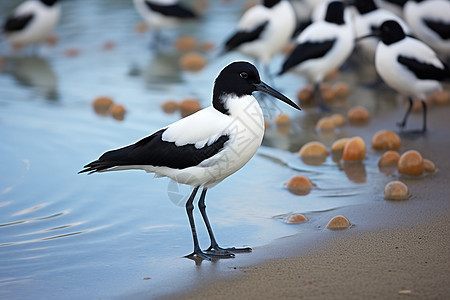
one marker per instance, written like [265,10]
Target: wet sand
[394,250]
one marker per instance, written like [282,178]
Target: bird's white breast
[244,126]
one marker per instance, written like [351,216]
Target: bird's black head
[335,13]
[49,2]
[241,78]
[270,3]
[390,32]
[364,6]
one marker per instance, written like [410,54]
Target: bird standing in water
[322,47]
[160,14]
[409,66]
[263,31]
[203,149]
[31,22]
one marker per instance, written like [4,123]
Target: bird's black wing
[242,37]
[400,3]
[174,10]
[17,23]
[423,70]
[441,28]
[153,151]
[305,51]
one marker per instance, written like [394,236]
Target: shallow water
[64,235]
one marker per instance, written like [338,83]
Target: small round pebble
[186,43]
[386,140]
[296,218]
[299,185]
[188,107]
[305,94]
[354,150]
[441,97]
[358,114]
[338,223]
[72,52]
[192,62]
[141,27]
[282,119]
[327,92]
[313,149]
[170,107]
[411,163]
[52,40]
[396,190]
[117,111]
[339,145]
[389,158]
[108,46]
[337,119]
[325,124]
[428,166]
[102,104]
[341,89]
[207,46]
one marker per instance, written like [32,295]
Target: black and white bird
[203,149]
[160,14]
[368,18]
[430,21]
[31,22]
[263,31]
[395,6]
[409,66]
[321,47]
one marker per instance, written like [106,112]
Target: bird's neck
[49,2]
[219,102]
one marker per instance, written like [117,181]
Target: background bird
[409,66]
[395,6]
[430,21]
[160,14]
[321,47]
[31,22]
[203,149]
[263,31]
[368,18]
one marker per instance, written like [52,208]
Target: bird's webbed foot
[218,249]
[209,255]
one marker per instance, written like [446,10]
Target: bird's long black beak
[265,88]
[375,32]
[365,37]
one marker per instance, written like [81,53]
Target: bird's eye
[243,75]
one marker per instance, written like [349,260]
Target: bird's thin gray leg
[215,248]
[424,126]
[189,210]
[198,253]
[405,118]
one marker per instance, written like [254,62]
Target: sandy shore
[395,250]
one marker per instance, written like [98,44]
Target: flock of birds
[408,46]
